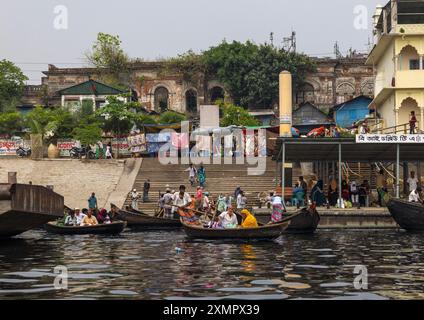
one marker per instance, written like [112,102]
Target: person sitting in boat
[415,196]
[216,223]
[249,221]
[221,204]
[103,217]
[80,215]
[89,220]
[70,219]
[229,219]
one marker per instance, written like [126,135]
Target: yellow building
[397,58]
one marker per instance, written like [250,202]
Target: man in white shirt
[241,201]
[192,171]
[412,182]
[181,199]
[415,196]
[228,219]
[80,215]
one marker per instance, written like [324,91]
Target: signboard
[390,138]
[285,119]
[9,147]
[65,146]
[122,145]
[137,143]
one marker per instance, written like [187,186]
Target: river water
[167,265]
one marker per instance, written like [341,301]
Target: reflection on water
[166,265]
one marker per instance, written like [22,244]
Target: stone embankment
[111,180]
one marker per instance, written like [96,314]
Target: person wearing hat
[249,221]
[134,198]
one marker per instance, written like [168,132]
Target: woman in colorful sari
[317,194]
[278,209]
[201,176]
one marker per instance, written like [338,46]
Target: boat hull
[114,228]
[146,222]
[269,232]
[409,216]
[304,223]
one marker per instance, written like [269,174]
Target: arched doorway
[306,93]
[191,101]
[409,59]
[407,106]
[217,93]
[161,99]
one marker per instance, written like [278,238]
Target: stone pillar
[285,104]
[94,103]
[396,117]
[63,101]
[421,62]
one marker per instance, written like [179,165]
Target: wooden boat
[113,228]
[306,221]
[25,207]
[137,219]
[409,216]
[263,232]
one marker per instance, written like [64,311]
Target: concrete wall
[76,180]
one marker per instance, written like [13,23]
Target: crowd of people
[90,216]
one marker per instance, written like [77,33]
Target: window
[414,64]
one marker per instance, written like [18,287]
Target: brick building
[335,81]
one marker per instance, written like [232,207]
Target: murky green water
[150,266]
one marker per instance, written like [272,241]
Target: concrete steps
[219,179]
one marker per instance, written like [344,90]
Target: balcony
[413,79]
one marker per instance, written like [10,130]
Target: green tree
[10,123]
[88,134]
[117,115]
[250,72]
[170,117]
[52,124]
[110,60]
[233,115]
[143,119]
[12,83]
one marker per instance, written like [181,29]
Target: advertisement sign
[122,145]
[9,147]
[65,146]
[390,138]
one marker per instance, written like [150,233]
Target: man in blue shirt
[92,202]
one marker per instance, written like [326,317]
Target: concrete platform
[366,218]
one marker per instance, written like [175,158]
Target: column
[397,171]
[94,103]
[421,118]
[286,104]
[283,173]
[397,66]
[396,116]
[421,62]
[340,175]
[63,101]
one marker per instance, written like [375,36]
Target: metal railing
[399,129]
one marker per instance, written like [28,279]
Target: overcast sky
[163,28]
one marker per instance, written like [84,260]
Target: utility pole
[337,50]
[289,43]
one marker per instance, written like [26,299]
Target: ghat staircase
[219,179]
